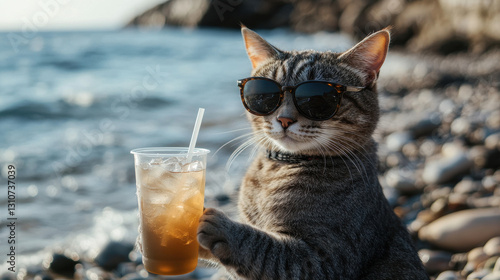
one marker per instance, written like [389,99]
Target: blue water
[73,104]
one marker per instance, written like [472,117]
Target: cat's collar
[289,158]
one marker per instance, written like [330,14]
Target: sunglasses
[315,100]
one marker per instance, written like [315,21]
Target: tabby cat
[311,205]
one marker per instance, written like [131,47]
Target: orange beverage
[170,195]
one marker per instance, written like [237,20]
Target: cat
[311,206]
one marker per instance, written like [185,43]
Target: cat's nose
[285,122]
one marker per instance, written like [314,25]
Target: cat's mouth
[291,142]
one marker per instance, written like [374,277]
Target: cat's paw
[214,232]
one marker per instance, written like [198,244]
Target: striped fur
[322,219]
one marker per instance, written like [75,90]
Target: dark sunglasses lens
[317,101]
[261,96]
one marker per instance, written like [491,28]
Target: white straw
[194,137]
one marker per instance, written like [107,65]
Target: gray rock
[61,264]
[402,181]
[478,275]
[446,169]
[113,254]
[496,268]
[96,273]
[461,126]
[428,148]
[396,140]
[463,230]
[492,247]
[490,263]
[492,142]
[476,256]
[425,126]
[448,275]
[436,26]
[467,186]
[435,261]
[492,276]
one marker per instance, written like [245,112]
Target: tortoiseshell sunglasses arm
[353,89]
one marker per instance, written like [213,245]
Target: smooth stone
[8,276]
[492,142]
[460,126]
[475,257]
[425,126]
[481,202]
[132,276]
[467,186]
[426,216]
[439,205]
[43,276]
[457,201]
[113,254]
[450,149]
[401,181]
[479,154]
[497,265]
[492,276]
[446,169]
[428,148]
[490,263]
[61,264]
[478,275]
[126,268]
[458,261]
[410,150]
[435,261]
[394,159]
[448,275]
[489,183]
[494,120]
[396,140]
[223,199]
[96,273]
[441,192]
[463,230]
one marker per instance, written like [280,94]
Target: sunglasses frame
[341,89]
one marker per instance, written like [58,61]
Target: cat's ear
[258,49]
[368,55]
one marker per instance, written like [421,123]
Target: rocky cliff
[441,26]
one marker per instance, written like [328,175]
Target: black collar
[289,158]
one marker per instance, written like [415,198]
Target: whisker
[233,140]
[255,138]
[333,146]
[355,160]
[233,130]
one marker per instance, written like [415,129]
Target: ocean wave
[81,106]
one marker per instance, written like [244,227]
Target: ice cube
[159,196]
[172,160]
[183,224]
[172,164]
[191,196]
[141,173]
[155,161]
[152,176]
[173,167]
[193,166]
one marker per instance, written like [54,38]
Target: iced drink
[170,192]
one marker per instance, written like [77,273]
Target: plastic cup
[170,193]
